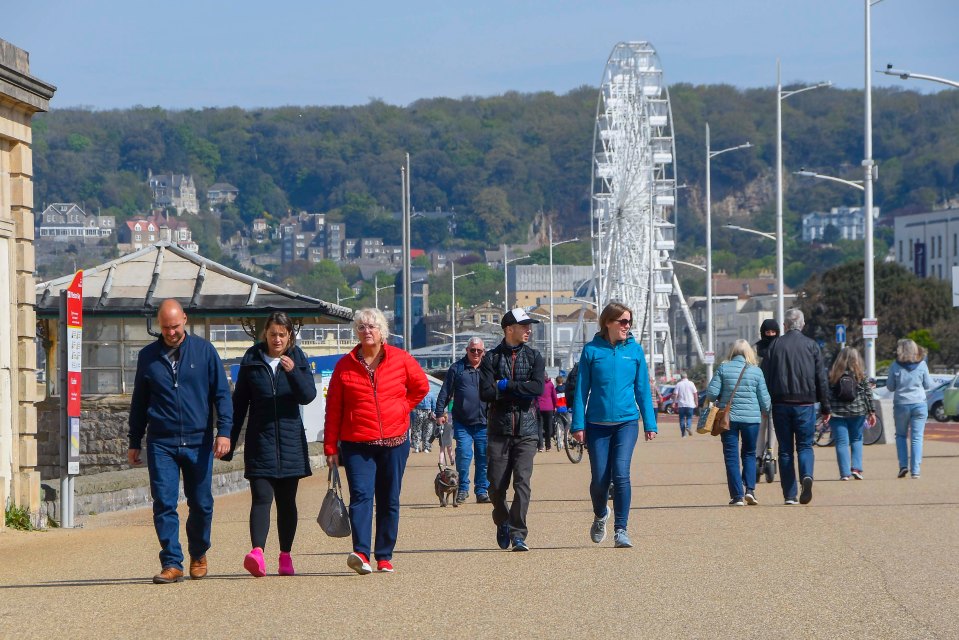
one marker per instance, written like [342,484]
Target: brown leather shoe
[168,575]
[198,567]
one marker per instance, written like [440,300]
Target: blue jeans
[740,471]
[471,438]
[165,463]
[610,453]
[910,418]
[848,432]
[374,471]
[685,420]
[795,426]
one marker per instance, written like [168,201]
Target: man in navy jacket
[179,382]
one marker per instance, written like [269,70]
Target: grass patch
[17,517]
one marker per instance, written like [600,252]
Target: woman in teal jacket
[745,414]
[612,391]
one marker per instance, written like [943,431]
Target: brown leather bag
[721,423]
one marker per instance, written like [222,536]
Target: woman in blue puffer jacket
[612,390]
[749,404]
[909,379]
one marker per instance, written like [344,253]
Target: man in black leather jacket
[796,378]
[511,378]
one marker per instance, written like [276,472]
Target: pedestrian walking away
[739,384]
[546,403]
[371,394]
[686,398]
[422,423]
[511,379]
[562,416]
[612,392]
[850,397]
[273,382]
[909,380]
[796,379]
[768,332]
[461,387]
[179,381]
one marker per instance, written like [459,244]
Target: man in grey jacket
[796,378]
[511,378]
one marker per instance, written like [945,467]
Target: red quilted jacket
[356,412]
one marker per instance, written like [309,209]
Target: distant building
[221,193]
[848,221]
[67,222]
[530,283]
[762,284]
[928,243]
[137,233]
[260,230]
[177,232]
[174,190]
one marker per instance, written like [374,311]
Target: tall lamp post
[552,354]
[376,290]
[710,154]
[780,96]
[905,75]
[453,278]
[338,301]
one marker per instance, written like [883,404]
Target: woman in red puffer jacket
[368,404]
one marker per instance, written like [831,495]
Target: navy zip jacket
[462,386]
[275,441]
[178,409]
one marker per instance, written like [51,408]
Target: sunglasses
[477,351]
[624,322]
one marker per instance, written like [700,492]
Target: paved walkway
[870,559]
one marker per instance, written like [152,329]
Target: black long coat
[275,438]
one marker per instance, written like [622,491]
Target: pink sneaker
[253,562]
[286,565]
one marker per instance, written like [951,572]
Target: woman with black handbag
[273,382]
[738,386]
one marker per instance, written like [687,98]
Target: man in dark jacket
[461,385]
[796,378]
[511,378]
[179,381]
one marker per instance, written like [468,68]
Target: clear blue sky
[199,53]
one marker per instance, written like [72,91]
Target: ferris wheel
[633,197]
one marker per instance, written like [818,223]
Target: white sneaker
[737,502]
[597,531]
[751,499]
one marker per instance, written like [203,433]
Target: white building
[928,243]
[849,221]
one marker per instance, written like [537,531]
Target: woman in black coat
[274,380]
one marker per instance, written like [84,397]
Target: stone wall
[103,435]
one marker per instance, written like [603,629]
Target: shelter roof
[134,285]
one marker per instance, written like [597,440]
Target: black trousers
[265,491]
[546,431]
[510,459]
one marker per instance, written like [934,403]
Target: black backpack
[845,388]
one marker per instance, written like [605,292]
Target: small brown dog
[445,484]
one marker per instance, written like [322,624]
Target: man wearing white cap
[511,379]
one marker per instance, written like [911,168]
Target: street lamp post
[856,184]
[780,96]
[709,249]
[377,288]
[552,354]
[765,234]
[453,278]
[905,75]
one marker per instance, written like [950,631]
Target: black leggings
[545,429]
[264,491]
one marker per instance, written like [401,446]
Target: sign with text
[709,357]
[74,350]
[870,328]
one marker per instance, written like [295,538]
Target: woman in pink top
[546,404]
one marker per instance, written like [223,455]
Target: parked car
[943,401]
[666,399]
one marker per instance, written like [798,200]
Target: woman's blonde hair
[908,351]
[847,360]
[744,349]
[372,315]
[611,312]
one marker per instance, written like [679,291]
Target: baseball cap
[517,316]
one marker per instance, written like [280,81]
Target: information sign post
[69,356]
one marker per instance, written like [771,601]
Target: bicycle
[574,450]
[826,438]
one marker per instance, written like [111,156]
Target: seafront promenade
[870,559]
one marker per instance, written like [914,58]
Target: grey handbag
[333,518]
